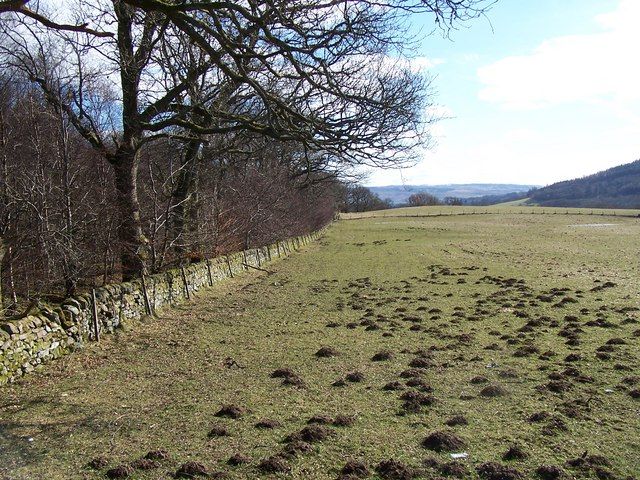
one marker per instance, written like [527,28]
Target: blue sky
[538,92]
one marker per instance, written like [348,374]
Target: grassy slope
[160,384]
[499,209]
[514,203]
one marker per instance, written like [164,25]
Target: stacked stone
[29,342]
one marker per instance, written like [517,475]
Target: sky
[536,92]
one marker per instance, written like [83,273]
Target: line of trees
[357,198]
[137,134]
[617,187]
[425,199]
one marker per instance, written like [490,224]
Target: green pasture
[444,334]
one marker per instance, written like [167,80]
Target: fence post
[96,327]
[209,273]
[186,284]
[145,293]
[229,265]
[170,287]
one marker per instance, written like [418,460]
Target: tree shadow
[19,437]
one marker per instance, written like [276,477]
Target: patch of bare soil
[442,441]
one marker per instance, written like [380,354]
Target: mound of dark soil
[632,380]
[231,411]
[557,386]
[431,462]
[157,455]
[98,463]
[297,447]
[497,471]
[145,464]
[121,471]
[341,382]
[454,469]
[420,384]
[382,356]
[635,393]
[191,470]
[589,461]
[508,373]
[394,470]
[311,434]
[554,425]
[294,381]
[411,372]
[282,373]
[391,386]
[321,420]
[421,362]
[549,472]
[344,421]
[491,391]
[457,420]
[539,417]
[526,350]
[326,352]
[238,459]
[443,442]
[267,423]
[478,380]
[218,431]
[274,464]
[418,397]
[515,452]
[354,377]
[355,469]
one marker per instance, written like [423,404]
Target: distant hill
[618,187]
[399,194]
[496,199]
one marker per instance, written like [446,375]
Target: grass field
[403,339]
[509,208]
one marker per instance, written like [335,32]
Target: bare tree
[112,112]
[361,199]
[22,8]
[5,208]
[422,199]
[328,76]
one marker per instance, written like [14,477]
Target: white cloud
[590,86]
[594,68]
[420,64]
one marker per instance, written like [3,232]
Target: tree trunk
[133,243]
[70,267]
[182,213]
[2,251]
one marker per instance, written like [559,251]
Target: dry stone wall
[29,342]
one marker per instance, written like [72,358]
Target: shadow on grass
[25,431]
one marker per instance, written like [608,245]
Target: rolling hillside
[399,194]
[618,187]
